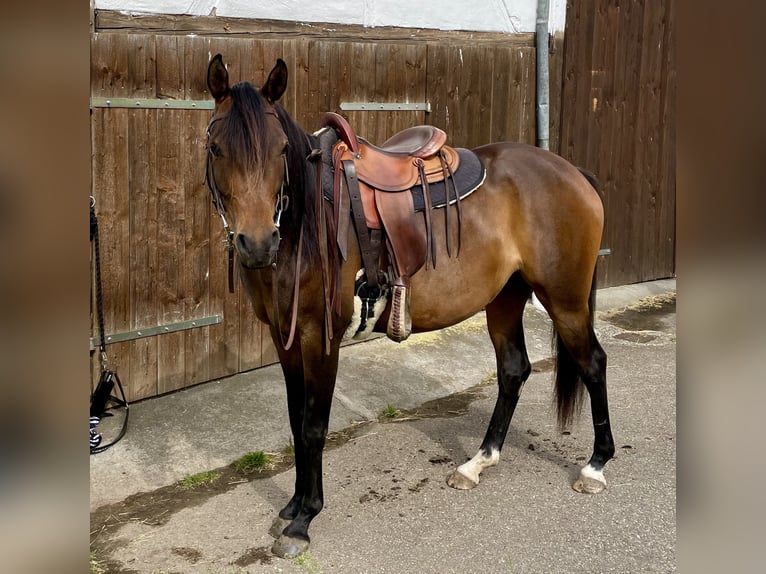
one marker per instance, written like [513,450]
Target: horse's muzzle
[257,255]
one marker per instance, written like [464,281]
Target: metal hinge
[386,106]
[157,330]
[152,104]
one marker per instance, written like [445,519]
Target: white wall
[479,15]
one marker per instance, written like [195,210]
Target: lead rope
[103,392]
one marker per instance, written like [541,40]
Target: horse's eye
[215,150]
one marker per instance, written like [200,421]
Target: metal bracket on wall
[152,104]
[157,330]
[386,106]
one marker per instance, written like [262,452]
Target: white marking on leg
[589,472]
[472,469]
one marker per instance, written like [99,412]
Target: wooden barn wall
[617,120]
[162,245]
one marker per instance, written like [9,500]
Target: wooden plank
[142,136]
[666,204]
[556,67]
[528,120]
[109,133]
[362,82]
[224,338]
[170,214]
[297,60]
[109,20]
[196,267]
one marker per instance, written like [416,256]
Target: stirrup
[400,320]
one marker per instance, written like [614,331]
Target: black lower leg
[295,405]
[595,382]
[312,501]
[513,369]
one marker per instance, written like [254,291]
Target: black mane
[245,129]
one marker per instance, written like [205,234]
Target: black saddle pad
[469,176]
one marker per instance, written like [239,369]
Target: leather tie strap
[365,245]
[430,247]
[447,226]
[457,204]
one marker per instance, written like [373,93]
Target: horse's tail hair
[592,180]
[569,388]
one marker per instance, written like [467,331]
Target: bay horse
[534,225]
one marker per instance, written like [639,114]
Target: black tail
[569,388]
[592,180]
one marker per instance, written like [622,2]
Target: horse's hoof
[278,526]
[286,547]
[460,481]
[590,481]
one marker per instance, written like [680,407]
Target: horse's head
[246,166]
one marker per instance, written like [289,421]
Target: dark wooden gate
[162,246]
[617,120]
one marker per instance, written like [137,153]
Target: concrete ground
[388,508]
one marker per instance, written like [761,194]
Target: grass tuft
[309,563]
[390,412]
[199,479]
[254,462]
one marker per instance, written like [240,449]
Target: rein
[282,203]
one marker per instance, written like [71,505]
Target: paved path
[388,508]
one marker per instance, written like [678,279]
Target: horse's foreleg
[319,381]
[504,320]
[292,368]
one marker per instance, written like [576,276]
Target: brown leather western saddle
[380,180]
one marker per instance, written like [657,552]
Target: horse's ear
[277,83]
[217,78]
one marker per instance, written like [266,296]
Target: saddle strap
[341,210]
[324,256]
[446,164]
[369,255]
[447,226]
[430,247]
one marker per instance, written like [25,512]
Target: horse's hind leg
[504,320]
[581,358]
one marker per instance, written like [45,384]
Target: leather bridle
[282,203]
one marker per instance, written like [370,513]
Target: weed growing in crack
[254,462]
[199,479]
[390,412]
